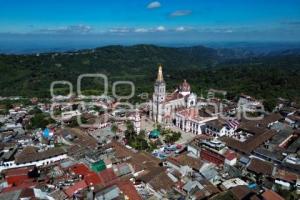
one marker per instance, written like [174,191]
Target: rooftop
[260,167]
[184,159]
[250,144]
[271,195]
[30,154]
[242,192]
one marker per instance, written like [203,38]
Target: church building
[165,105]
[178,108]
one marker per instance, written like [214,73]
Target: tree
[130,132]
[269,104]
[159,127]
[114,128]
[35,110]
[142,133]
[172,137]
[139,143]
[130,126]
[152,146]
[40,120]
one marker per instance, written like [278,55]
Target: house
[230,158]
[122,169]
[25,193]
[70,191]
[293,119]
[271,195]
[128,190]
[18,176]
[178,166]
[184,160]
[253,139]
[213,151]
[108,176]
[191,185]
[285,179]
[231,183]
[112,192]
[244,160]
[208,149]
[204,190]
[157,182]
[209,172]
[30,156]
[248,104]
[123,189]
[193,120]
[260,167]
[218,128]
[242,192]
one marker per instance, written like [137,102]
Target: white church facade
[178,108]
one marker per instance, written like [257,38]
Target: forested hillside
[265,77]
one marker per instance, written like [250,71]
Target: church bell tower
[159,96]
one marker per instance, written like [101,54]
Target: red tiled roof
[128,189]
[173,96]
[18,176]
[107,176]
[17,171]
[93,179]
[17,180]
[271,195]
[80,169]
[230,155]
[75,188]
[90,177]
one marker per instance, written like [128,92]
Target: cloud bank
[180,13]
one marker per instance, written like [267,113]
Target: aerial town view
[150,100]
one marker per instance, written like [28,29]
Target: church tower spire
[159,96]
[160,77]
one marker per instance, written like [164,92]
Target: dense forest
[268,76]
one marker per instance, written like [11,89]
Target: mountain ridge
[31,75]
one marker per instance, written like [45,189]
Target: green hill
[266,77]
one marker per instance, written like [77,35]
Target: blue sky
[143,20]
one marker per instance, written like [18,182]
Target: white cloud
[180,13]
[68,29]
[180,29]
[119,30]
[153,5]
[141,30]
[160,28]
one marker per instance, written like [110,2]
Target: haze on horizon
[35,24]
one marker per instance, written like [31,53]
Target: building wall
[194,150]
[212,157]
[12,164]
[190,125]
[230,162]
